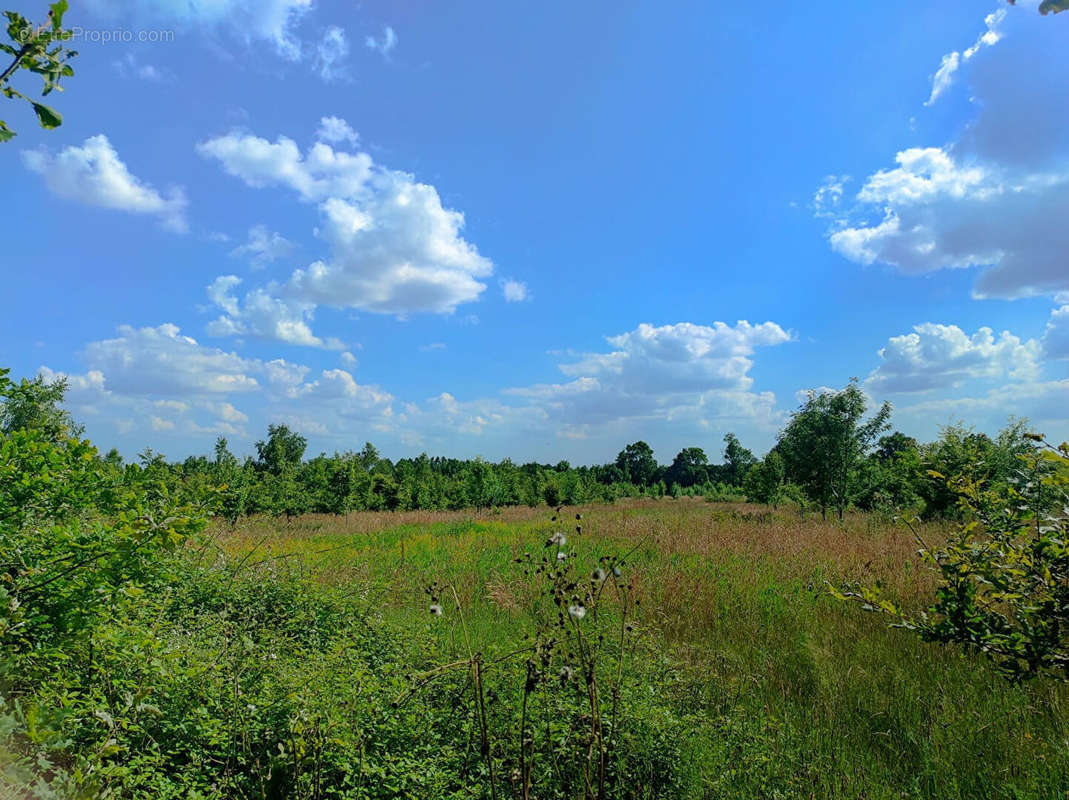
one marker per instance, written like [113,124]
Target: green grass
[747,681]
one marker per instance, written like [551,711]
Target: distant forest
[833,454]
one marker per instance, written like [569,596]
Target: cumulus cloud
[392,246]
[156,378]
[944,356]
[320,174]
[94,175]
[985,200]
[383,45]
[262,315]
[514,291]
[253,21]
[263,247]
[683,373]
[1056,336]
[336,131]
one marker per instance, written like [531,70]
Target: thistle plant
[563,732]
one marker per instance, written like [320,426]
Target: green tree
[737,459]
[37,49]
[34,404]
[637,463]
[825,441]
[765,480]
[689,467]
[282,451]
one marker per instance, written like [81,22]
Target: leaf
[6,134]
[1053,6]
[48,117]
[58,10]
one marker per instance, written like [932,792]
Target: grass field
[745,679]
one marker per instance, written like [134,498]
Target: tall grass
[749,682]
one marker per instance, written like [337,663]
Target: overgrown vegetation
[656,648]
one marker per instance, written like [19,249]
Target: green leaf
[6,134]
[1053,6]
[48,117]
[58,10]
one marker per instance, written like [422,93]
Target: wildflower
[558,539]
[598,575]
[578,610]
[561,556]
[436,609]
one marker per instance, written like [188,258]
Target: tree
[637,463]
[35,405]
[689,467]
[38,49]
[282,451]
[765,480]
[738,460]
[825,441]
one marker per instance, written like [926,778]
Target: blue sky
[541,230]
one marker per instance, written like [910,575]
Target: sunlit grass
[786,691]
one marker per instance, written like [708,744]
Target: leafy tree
[689,467]
[282,451]
[825,441]
[35,405]
[738,460]
[1004,574]
[38,49]
[765,480]
[637,463]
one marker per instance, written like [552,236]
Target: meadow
[744,678]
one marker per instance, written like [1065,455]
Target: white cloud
[323,172]
[263,247]
[348,359]
[514,291]
[331,53]
[1044,403]
[1056,336]
[393,248]
[94,175]
[986,200]
[273,21]
[161,361]
[336,131]
[944,76]
[383,45]
[263,315]
[943,356]
[682,373]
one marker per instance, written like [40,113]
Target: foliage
[38,49]
[1049,6]
[825,441]
[765,480]
[1004,574]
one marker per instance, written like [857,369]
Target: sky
[541,230]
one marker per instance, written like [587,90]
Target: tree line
[834,453]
